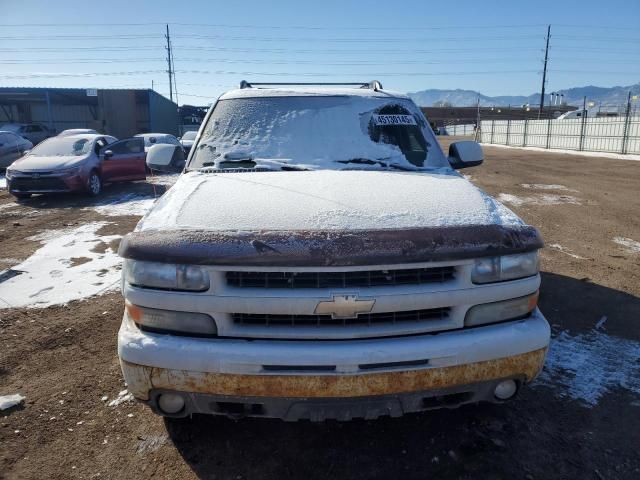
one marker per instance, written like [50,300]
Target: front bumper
[46,184]
[294,379]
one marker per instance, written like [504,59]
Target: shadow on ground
[540,434]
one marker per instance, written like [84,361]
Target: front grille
[28,184]
[386,318]
[366,278]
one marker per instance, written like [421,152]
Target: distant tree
[443,104]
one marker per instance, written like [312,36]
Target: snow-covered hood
[39,163]
[323,200]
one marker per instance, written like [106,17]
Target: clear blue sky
[495,47]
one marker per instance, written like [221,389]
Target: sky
[494,47]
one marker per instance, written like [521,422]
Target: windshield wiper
[367,161]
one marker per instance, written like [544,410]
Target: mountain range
[572,96]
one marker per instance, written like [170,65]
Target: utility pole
[170,64]
[544,71]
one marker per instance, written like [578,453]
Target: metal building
[118,112]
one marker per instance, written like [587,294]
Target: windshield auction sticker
[394,120]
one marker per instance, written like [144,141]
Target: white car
[187,140]
[77,131]
[151,139]
[320,257]
[12,147]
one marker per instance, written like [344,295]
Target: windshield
[189,135]
[317,132]
[63,147]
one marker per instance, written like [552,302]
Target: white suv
[320,258]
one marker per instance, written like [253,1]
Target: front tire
[94,184]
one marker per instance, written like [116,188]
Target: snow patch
[566,251]
[123,397]
[128,204]
[542,186]
[544,199]
[9,401]
[588,366]
[166,179]
[630,245]
[3,182]
[65,268]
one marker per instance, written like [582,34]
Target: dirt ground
[567,425]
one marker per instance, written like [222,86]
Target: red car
[76,163]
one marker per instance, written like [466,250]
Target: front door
[123,160]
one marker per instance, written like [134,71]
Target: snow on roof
[309,92]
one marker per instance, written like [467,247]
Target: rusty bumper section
[141,380]
[328,248]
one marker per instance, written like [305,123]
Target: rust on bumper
[141,379]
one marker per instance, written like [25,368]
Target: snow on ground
[588,366]
[616,156]
[630,245]
[164,179]
[127,204]
[3,182]
[566,251]
[72,264]
[123,397]
[541,186]
[9,401]
[544,199]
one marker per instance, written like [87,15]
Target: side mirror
[465,154]
[26,152]
[107,154]
[163,157]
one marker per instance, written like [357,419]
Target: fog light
[506,389]
[170,403]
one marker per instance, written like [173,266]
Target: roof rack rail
[373,84]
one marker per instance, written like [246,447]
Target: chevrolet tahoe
[320,257]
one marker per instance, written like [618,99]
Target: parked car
[151,139]
[76,163]
[34,132]
[12,147]
[77,131]
[187,141]
[320,257]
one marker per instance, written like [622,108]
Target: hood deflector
[328,248]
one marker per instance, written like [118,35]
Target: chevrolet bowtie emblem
[344,306]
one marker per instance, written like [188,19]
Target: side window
[34,128]
[127,147]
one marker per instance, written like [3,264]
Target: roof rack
[373,84]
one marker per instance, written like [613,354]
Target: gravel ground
[581,419]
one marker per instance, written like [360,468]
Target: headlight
[507,267]
[169,321]
[9,173]
[166,276]
[501,311]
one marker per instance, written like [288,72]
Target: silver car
[34,132]
[12,147]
